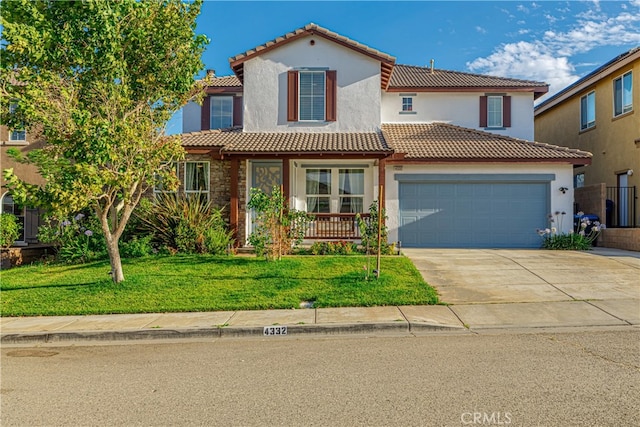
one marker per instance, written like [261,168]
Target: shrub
[136,247]
[278,229]
[76,240]
[9,229]
[182,224]
[334,248]
[369,232]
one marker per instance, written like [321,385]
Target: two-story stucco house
[598,114]
[335,122]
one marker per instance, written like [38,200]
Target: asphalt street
[553,378]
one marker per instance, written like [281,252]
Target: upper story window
[221,112]
[407,104]
[495,111]
[588,111]
[311,95]
[622,94]
[19,135]
[311,105]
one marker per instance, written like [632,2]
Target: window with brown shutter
[237,111]
[312,96]
[495,111]
[205,114]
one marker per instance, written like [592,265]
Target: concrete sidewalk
[487,290]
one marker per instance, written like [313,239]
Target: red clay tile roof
[409,77]
[387,61]
[236,141]
[442,141]
[225,81]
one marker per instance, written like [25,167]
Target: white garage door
[474,213]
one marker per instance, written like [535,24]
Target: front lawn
[210,283]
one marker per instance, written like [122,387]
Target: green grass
[209,283]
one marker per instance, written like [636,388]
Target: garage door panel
[472,214]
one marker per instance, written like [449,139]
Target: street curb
[223,332]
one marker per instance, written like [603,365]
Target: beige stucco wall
[28,173]
[612,140]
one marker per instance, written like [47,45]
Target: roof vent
[211,73]
[432,62]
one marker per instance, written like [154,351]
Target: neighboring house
[29,218]
[598,113]
[333,121]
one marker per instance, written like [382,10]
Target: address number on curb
[270,331]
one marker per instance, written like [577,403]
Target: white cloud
[481,30]
[548,58]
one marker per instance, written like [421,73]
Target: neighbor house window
[622,94]
[311,95]
[221,112]
[407,104]
[588,111]
[196,180]
[159,188]
[495,111]
[578,180]
[318,186]
[19,135]
[335,190]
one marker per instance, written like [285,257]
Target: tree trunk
[114,258]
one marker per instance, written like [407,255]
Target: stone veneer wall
[242,202]
[620,238]
[591,200]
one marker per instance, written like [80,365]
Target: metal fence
[621,207]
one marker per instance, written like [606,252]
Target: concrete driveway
[493,286]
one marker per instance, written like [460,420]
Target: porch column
[234,202]
[381,179]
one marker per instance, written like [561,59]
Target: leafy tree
[98,80]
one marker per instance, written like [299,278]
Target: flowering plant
[74,239]
[582,238]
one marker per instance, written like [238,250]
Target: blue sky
[552,41]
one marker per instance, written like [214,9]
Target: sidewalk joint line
[610,314]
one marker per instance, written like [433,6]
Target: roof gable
[386,61]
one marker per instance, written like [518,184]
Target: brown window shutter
[330,96]
[483,112]
[292,96]
[205,114]
[506,111]
[237,111]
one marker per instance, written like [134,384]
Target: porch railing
[334,226]
[621,207]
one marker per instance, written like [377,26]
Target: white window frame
[224,114]
[624,108]
[407,104]
[322,96]
[335,195]
[207,169]
[492,113]
[585,123]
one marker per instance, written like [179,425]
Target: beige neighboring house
[599,114]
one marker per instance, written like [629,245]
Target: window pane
[318,204]
[350,204]
[407,104]
[196,177]
[18,135]
[617,96]
[312,98]
[351,181]
[221,112]
[318,181]
[494,111]
[627,102]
